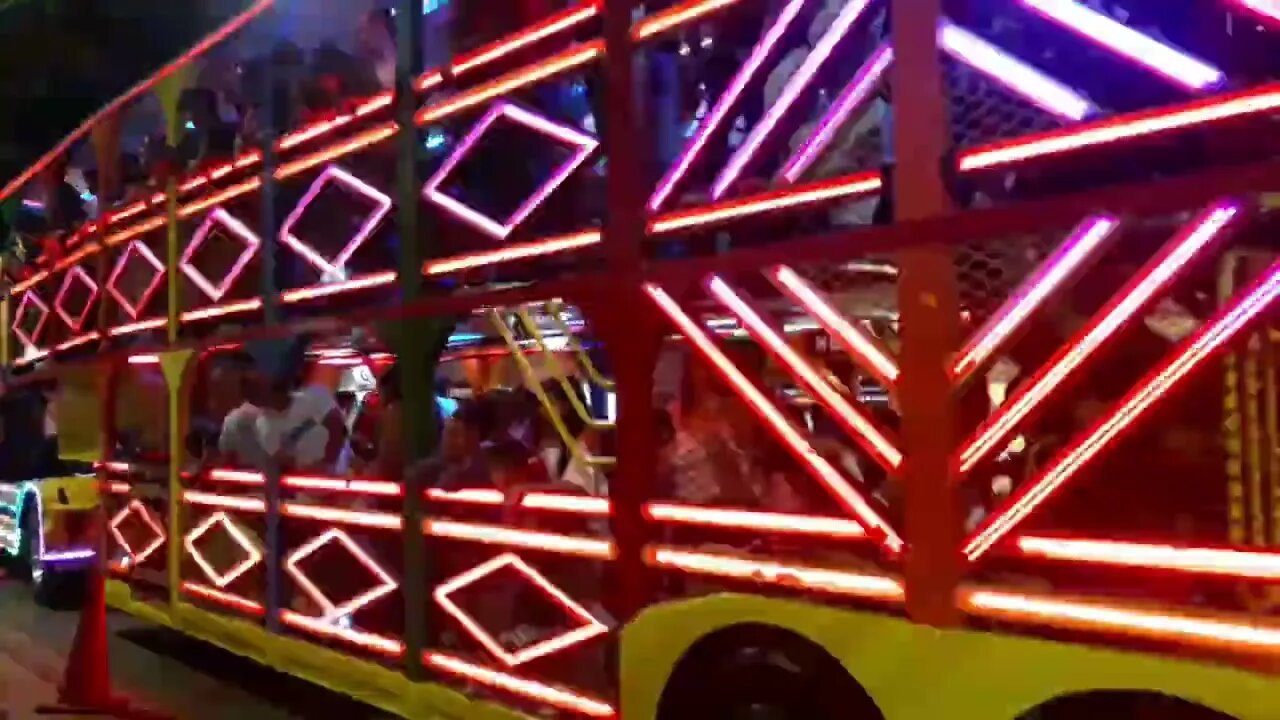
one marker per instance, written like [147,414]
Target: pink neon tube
[720,111]
[1149,53]
[1173,258]
[1083,242]
[853,97]
[1152,389]
[1027,81]
[796,84]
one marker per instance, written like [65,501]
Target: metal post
[930,316]
[267,228]
[630,328]
[415,364]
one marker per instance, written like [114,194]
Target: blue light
[431,6]
[190,125]
[448,406]
[435,140]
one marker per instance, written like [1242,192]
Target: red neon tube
[769,572]
[1197,560]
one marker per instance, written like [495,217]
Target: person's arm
[337,434]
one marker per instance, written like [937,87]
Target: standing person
[376,46]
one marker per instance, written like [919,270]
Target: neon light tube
[676,16]
[592,548]
[364,282]
[75,273]
[363,518]
[158,270]
[767,572]
[866,351]
[720,111]
[530,35]
[854,422]
[334,174]
[237,229]
[848,186]
[1172,259]
[333,611]
[588,626]
[1269,9]
[252,554]
[1191,353]
[1025,80]
[851,98]
[1081,245]
[541,692]
[1151,54]
[369,641]
[582,143]
[754,520]
[1203,561]
[226,502]
[1124,127]
[783,429]
[796,84]
[513,252]
[223,597]
[1099,617]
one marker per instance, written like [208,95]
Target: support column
[930,316]
[627,334]
[417,360]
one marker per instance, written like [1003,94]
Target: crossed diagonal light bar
[1269,9]
[796,84]
[782,427]
[1079,247]
[1176,255]
[720,111]
[1189,72]
[860,346]
[853,97]
[853,421]
[1026,80]
[1155,386]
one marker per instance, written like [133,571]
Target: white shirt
[239,436]
[299,430]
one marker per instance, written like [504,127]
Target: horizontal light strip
[1204,561]
[363,518]
[373,642]
[1100,617]
[754,520]
[527,36]
[1131,126]
[676,16]
[513,252]
[358,486]
[531,689]
[222,597]
[768,572]
[846,187]
[364,282]
[594,548]
[228,502]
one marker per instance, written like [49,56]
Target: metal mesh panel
[983,111]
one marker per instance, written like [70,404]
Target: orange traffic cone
[86,682]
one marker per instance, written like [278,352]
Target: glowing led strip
[150,258]
[720,111]
[548,27]
[331,611]
[1097,616]
[857,343]
[337,266]
[1081,245]
[795,85]
[223,597]
[1146,394]
[1204,561]
[1269,9]
[512,252]
[549,694]
[1172,259]
[855,423]
[589,627]
[253,554]
[592,548]
[1157,57]
[239,230]
[853,97]
[846,187]
[135,559]
[755,520]
[768,572]
[380,644]
[818,467]
[75,273]
[677,16]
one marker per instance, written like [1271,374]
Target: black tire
[762,673]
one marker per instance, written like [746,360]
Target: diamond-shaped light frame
[136,506]
[144,252]
[590,627]
[332,612]
[252,553]
[333,173]
[251,244]
[499,230]
[30,296]
[75,273]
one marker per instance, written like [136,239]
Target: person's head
[511,464]
[464,432]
